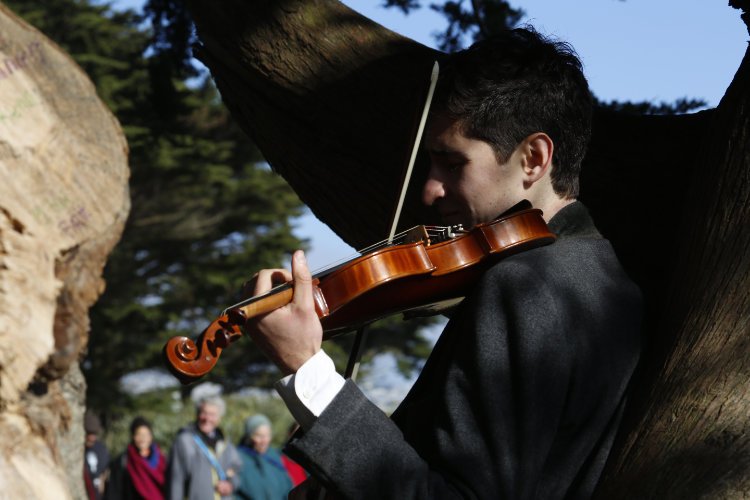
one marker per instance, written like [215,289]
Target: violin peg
[237,317]
[221,338]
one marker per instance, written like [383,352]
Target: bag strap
[211,458]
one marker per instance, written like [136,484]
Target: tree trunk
[330,99]
[63,202]
[688,431]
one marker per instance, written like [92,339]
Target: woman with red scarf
[139,472]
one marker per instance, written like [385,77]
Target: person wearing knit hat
[91,424]
[263,475]
[96,457]
[253,423]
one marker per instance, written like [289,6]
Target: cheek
[462,189]
[471,195]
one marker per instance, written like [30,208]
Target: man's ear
[537,152]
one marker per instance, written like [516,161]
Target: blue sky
[633,49]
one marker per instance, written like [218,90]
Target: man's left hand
[291,334]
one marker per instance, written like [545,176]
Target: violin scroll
[189,361]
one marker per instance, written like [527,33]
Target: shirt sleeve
[309,391]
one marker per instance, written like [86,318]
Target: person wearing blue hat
[263,475]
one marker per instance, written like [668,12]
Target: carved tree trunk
[63,202]
[330,98]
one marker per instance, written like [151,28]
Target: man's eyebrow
[440,150]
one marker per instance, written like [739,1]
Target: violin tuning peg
[221,338]
[237,317]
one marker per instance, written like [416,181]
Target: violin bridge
[416,234]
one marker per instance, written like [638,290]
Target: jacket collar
[574,220]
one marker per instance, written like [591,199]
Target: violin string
[383,243]
[437,231]
[398,239]
[358,253]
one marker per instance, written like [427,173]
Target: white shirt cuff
[309,391]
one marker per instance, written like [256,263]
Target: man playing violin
[524,391]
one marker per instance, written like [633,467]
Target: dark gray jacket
[521,396]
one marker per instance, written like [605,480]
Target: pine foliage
[206,211]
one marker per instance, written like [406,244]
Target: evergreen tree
[206,212]
[476,21]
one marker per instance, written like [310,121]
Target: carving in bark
[63,202]
[329,96]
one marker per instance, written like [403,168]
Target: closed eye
[454,166]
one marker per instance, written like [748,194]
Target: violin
[423,266]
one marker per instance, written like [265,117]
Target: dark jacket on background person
[96,463]
[134,477]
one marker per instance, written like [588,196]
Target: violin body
[366,289]
[390,280]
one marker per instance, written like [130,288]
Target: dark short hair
[517,83]
[139,422]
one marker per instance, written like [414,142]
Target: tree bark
[330,99]
[63,203]
[687,434]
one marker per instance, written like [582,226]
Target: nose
[433,188]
